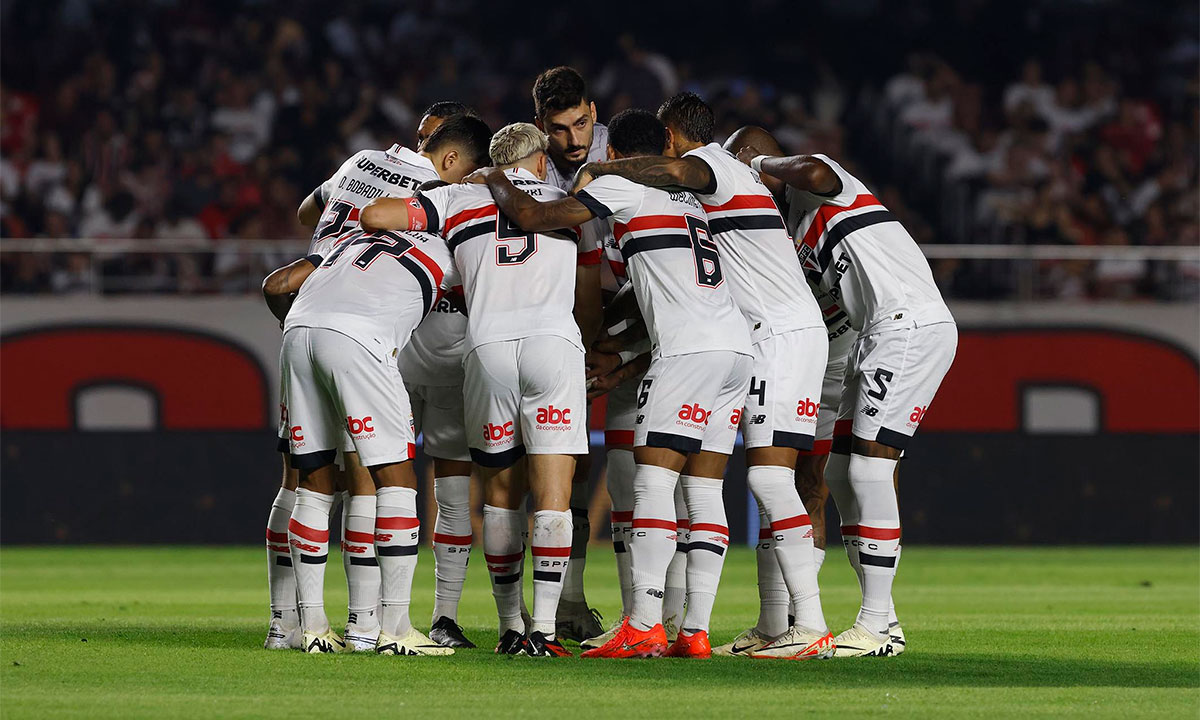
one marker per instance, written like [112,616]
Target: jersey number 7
[383,242]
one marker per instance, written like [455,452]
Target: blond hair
[513,143]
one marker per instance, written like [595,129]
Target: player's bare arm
[527,213]
[385,213]
[280,287]
[656,171]
[803,172]
[309,212]
[589,308]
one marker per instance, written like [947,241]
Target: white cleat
[603,638]
[362,636]
[284,631]
[414,642]
[858,641]
[326,642]
[896,633]
[742,645]
[797,644]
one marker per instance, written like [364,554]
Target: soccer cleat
[359,636]
[512,643]
[671,628]
[576,621]
[326,642]
[742,645]
[858,641]
[447,633]
[538,645]
[690,646]
[629,642]
[602,638]
[797,644]
[896,633]
[413,642]
[283,633]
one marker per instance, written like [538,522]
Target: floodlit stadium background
[1044,154]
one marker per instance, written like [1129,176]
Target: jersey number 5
[507,232]
[704,249]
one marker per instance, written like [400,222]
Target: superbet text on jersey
[691,397]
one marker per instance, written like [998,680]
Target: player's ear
[538,122]
[667,149]
[450,159]
[592,105]
[610,153]
[541,166]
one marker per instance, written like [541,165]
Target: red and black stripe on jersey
[673,233]
[422,267]
[833,224]
[482,220]
[733,215]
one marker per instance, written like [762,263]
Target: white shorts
[891,379]
[525,396]
[784,397]
[438,414]
[621,413]
[692,402]
[332,385]
[831,398]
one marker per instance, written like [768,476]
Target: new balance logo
[655,593]
[870,411]
[639,420]
[758,419]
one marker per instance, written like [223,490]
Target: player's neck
[568,169]
[683,147]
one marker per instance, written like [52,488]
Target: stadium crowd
[209,122]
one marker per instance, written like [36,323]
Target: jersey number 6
[704,248]
[505,232]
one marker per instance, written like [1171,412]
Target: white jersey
[434,357]
[597,152]
[374,287]
[757,253]
[674,264]
[517,284]
[856,251]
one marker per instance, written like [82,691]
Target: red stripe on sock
[879,533]
[359,537]
[618,437]
[396,523]
[820,447]
[849,530]
[500,559]
[283,549]
[452,539]
[552,551]
[683,524]
[276,537]
[622,516]
[792,522]
[307,533]
[764,534]
[652,523]
[710,527]
[843,428]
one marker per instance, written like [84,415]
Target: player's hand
[748,153]
[608,344]
[602,385]
[582,178]
[479,177]
[599,364]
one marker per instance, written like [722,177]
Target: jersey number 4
[513,254]
[704,249]
[379,243]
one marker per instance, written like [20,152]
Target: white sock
[308,534]
[451,543]
[581,533]
[773,600]
[791,531]
[837,477]
[708,540]
[551,550]
[893,619]
[396,533]
[339,502]
[653,541]
[675,589]
[504,551]
[878,536]
[281,579]
[358,555]
[619,477]
[818,558]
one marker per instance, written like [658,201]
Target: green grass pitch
[994,632]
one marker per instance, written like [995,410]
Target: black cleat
[538,645]
[512,643]
[447,633]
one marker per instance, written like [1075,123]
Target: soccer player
[524,374]
[353,312]
[690,399]
[562,110]
[856,252]
[790,347]
[333,208]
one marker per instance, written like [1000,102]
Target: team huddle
[482,289]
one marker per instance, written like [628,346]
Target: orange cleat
[690,646]
[629,642]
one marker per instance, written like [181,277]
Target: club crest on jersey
[416,215]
